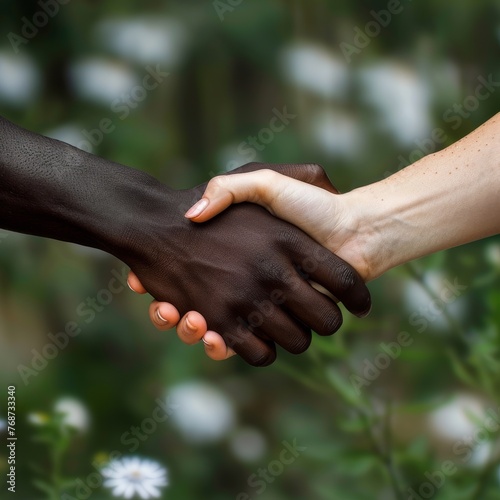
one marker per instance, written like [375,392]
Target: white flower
[481,455]
[19,79]
[134,476]
[74,413]
[493,254]
[425,310]
[144,40]
[458,419]
[336,133]
[233,156]
[316,69]
[401,97]
[70,134]
[203,412]
[248,444]
[38,419]
[102,81]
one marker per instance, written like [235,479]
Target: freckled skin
[222,268]
[445,199]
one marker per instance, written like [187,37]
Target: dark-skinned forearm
[51,189]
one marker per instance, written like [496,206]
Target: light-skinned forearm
[446,199]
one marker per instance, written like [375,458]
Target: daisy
[131,476]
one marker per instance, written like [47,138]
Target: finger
[215,347]
[311,173]
[325,318]
[191,328]
[134,283]
[272,322]
[334,274]
[224,190]
[274,191]
[252,349]
[163,315]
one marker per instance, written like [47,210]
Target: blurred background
[403,404]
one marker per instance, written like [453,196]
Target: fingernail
[197,209]
[206,343]
[161,318]
[130,286]
[366,313]
[190,325]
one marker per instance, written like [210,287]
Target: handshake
[257,276]
[250,276]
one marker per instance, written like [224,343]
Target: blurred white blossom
[247,444]
[74,413]
[38,418]
[426,310]
[144,40]
[102,81]
[68,133]
[231,156]
[481,455]
[134,477]
[19,79]
[401,97]
[336,133]
[493,254]
[3,425]
[316,69]
[457,419]
[204,413]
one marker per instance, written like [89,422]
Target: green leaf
[43,486]
[460,370]
[344,387]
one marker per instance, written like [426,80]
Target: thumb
[259,187]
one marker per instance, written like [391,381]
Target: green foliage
[375,442]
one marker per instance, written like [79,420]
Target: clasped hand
[248,275]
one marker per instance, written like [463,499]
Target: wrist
[391,220]
[114,206]
[143,218]
[371,222]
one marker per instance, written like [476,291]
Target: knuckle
[265,178]
[217,182]
[270,271]
[347,278]
[290,237]
[316,172]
